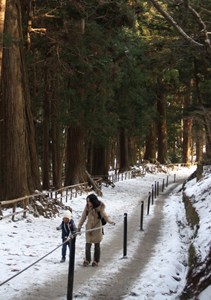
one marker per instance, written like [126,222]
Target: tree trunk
[207,127]
[46,136]
[133,151]
[100,163]
[187,128]
[199,148]
[151,143]
[2,18]
[19,174]
[199,135]
[123,150]
[186,150]
[56,139]
[75,162]
[162,131]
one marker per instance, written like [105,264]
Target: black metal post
[174,178]
[158,188]
[71,269]
[142,216]
[167,180]
[125,236]
[152,195]
[163,185]
[155,190]
[148,204]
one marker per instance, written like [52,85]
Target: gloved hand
[79,231]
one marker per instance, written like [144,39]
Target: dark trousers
[64,247]
[96,252]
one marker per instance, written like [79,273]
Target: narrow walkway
[91,281]
[118,285]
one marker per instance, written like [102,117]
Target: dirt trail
[119,283]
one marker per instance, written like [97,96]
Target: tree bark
[19,173]
[46,136]
[2,18]
[186,150]
[123,150]
[75,161]
[99,166]
[133,151]
[151,144]
[162,131]
[199,146]
[56,137]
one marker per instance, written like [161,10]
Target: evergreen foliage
[104,65]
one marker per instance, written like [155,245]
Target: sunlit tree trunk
[2,18]
[186,151]
[187,128]
[19,173]
[113,145]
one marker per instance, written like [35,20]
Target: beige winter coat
[93,221]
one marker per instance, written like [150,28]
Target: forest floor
[118,284]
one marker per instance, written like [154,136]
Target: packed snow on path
[27,240]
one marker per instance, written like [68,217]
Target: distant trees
[190,19]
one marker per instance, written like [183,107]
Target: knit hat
[67,214]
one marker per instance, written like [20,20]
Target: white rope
[88,230]
[71,236]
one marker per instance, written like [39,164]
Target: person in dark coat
[67,226]
[93,210]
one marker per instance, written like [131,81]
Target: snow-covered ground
[25,241]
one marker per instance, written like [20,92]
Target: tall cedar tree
[19,173]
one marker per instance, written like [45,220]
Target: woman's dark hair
[94,200]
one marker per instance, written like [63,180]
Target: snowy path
[118,284]
[122,271]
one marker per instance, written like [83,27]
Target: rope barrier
[34,263]
[71,236]
[31,264]
[67,240]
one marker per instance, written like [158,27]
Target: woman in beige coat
[93,212]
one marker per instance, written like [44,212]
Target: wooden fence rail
[66,192]
[24,200]
[72,191]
